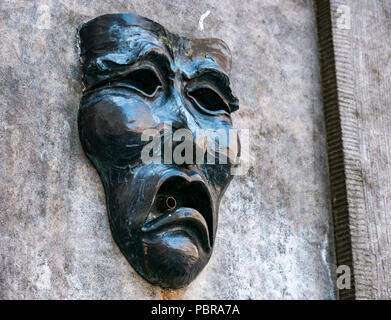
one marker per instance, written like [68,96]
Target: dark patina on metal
[137,76]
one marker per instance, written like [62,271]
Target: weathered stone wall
[355,51]
[274,237]
[371,34]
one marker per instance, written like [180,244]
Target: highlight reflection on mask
[137,76]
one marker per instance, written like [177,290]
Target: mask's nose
[185,126]
[182,117]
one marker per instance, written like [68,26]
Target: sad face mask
[138,76]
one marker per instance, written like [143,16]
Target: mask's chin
[163,223]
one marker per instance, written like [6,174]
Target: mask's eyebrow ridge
[160,59]
[114,65]
[221,80]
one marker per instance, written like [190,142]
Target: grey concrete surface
[371,32]
[363,66]
[274,238]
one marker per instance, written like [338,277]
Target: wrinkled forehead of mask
[114,40]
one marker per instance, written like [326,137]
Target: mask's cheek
[111,126]
[218,176]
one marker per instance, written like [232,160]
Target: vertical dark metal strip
[335,145]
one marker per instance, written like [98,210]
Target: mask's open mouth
[184,204]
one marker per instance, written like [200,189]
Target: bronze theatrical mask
[138,76]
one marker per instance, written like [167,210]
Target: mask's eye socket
[209,101]
[143,80]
